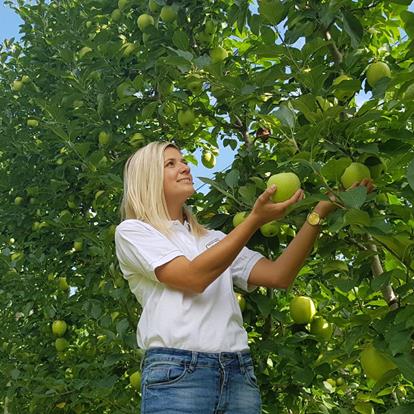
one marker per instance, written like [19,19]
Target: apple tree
[309,87]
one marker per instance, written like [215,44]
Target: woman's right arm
[194,276]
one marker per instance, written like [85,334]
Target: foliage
[93,80]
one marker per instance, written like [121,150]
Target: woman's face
[178,182]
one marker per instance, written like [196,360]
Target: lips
[187,179]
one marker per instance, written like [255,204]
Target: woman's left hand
[324,208]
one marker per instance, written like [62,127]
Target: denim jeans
[176,381]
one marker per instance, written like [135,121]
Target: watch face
[314,219]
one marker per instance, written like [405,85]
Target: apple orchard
[307,87]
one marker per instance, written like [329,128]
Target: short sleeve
[242,266]
[140,249]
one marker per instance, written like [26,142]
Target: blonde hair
[143,197]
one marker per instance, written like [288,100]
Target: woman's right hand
[265,210]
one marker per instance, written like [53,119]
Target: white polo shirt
[207,322]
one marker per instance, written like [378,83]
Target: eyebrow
[175,159]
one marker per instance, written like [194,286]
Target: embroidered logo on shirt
[212,243]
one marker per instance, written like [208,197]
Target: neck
[177,213]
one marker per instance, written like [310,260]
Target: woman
[197,357]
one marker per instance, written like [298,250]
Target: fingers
[292,200]
[265,196]
[366,182]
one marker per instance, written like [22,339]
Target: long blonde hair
[143,197]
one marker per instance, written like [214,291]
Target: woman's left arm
[282,272]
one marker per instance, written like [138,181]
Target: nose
[184,168]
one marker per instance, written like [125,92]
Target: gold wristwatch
[314,219]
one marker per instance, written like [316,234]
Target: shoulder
[132,224]
[134,228]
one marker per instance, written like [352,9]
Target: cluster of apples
[59,328]
[303,311]
[287,183]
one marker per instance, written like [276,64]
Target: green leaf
[272,12]
[232,178]
[355,197]
[248,193]
[333,169]
[382,280]
[353,27]
[357,217]
[286,116]
[405,363]
[264,304]
[410,174]
[181,40]
[402,409]
[217,221]
[217,187]
[408,19]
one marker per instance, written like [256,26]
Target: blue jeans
[176,381]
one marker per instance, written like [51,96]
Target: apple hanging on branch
[286,183]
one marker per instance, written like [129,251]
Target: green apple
[375,363]
[18,201]
[302,309]
[354,173]
[153,6]
[168,14]
[195,85]
[377,71]
[204,38]
[144,21]
[409,92]
[78,245]
[239,217]
[321,328]
[128,48]
[135,380]
[61,344]
[62,283]
[17,85]
[16,256]
[210,27]
[286,185]
[186,118]
[270,229]
[59,328]
[331,382]
[241,300]
[104,138]
[208,159]
[136,138]
[32,123]
[218,54]
[116,15]
[25,79]
[340,381]
[122,4]
[84,51]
